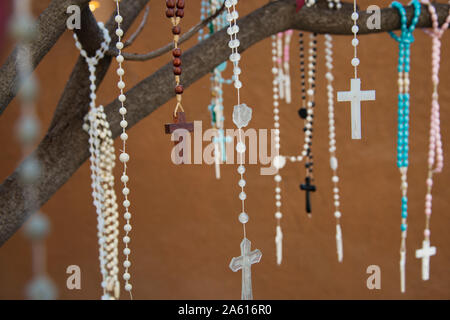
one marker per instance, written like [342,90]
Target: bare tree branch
[184,37]
[141,26]
[65,147]
[49,26]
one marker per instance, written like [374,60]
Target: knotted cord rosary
[355,95]
[102,162]
[435,153]
[404,41]
[175,12]
[242,115]
[124,156]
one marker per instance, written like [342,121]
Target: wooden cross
[245,262]
[355,96]
[179,123]
[308,187]
[425,253]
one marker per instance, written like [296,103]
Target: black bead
[302,113]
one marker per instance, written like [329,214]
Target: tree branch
[49,26]
[65,147]
[184,37]
[133,37]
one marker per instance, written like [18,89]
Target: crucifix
[308,187]
[355,96]
[245,262]
[425,253]
[179,123]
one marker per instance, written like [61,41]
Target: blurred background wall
[185,226]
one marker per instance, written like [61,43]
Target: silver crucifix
[355,96]
[245,262]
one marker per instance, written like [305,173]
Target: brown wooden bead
[176,52]
[179,89]
[180,4]
[177,62]
[179,13]
[177,71]
[170,12]
[176,30]
[170,3]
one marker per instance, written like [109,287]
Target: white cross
[355,95]
[339,246]
[245,262]
[217,158]
[402,270]
[425,253]
[279,245]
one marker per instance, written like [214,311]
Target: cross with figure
[425,253]
[355,96]
[244,263]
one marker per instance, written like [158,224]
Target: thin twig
[168,47]
[133,37]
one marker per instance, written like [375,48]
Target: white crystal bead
[242,183]
[241,169]
[278,215]
[277,178]
[240,147]
[242,196]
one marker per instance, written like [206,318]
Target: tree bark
[65,146]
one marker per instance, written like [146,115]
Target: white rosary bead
[122,111]
[242,183]
[242,196]
[123,123]
[243,218]
[355,29]
[241,169]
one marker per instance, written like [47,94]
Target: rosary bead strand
[242,115]
[404,41]
[435,152]
[124,156]
[332,143]
[102,160]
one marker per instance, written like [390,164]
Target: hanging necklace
[435,153]
[242,115]
[102,158]
[332,136]
[216,106]
[355,95]
[37,228]
[124,156]
[404,41]
[175,12]
[308,114]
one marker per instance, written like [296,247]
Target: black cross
[308,187]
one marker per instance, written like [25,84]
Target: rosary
[435,153]
[404,42]
[175,12]
[102,162]
[242,115]
[355,95]
[217,105]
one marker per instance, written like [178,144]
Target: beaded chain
[286,65]
[37,228]
[175,12]
[278,161]
[308,113]
[332,142]
[404,41]
[216,106]
[435,152]
[242,115]
[124,156]
[102,160]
